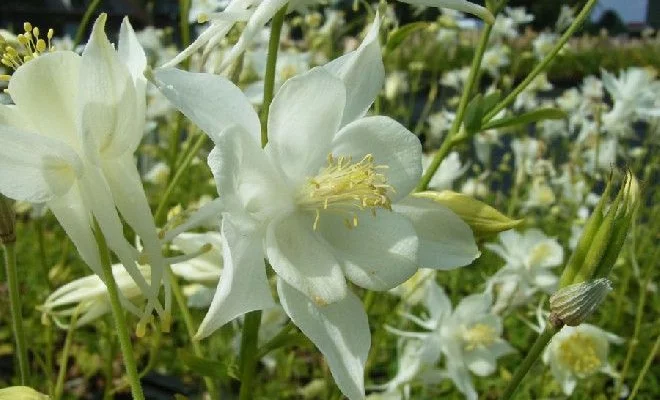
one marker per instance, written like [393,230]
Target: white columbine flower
[470,337]
[577,353]
[69,141]
[529,257]
[325,200]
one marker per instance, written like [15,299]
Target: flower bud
[21,393]
[604,234]
[7,221]
[483,219]
[573,304]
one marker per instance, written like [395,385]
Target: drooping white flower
[469,337]
[257,13]
[578,352]
[325,200]
[529,257]
[69,141]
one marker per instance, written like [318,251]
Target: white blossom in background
[635,94]
[519,15]
[396,84]
[469,338]
[290,63]
[449,170]
[576,353]
[318,202]
[543,44]
[529,259]
[413,291]
[495,58]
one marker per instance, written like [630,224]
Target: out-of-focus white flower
[579,352]
[396,84]
[495,58]
[475,188]
[592,89]
[565,19]
[88,297]
[158,174]
[529,258]
[470,338]
[413,290]
[456,78]
[635,93]
[606,151]
[449,170]
[504,28]
[519,15]
[540,194]
[200,9]
[290,63]
[528,99]
[543,44]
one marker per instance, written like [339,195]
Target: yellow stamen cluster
[30,47]
[346,187]
[578,353]
[479,335]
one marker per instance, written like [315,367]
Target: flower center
[578,353]
[345,187]
[30,46]
[479,335]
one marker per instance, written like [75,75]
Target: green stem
[16,315]
[532,355]
[190,328]
[184,25]
[544,63]
[43,257]
[85,21]
[451,138]
[271,62]
[59,386]
[160,211]
[249,351]
[645,368]
[118,316]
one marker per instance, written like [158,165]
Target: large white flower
[69,141]
[577,352]
[325,200]
[469,337]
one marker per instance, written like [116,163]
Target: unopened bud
[573,304]
[7,221]
[21,393]
[483,219]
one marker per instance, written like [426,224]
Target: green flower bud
[21,393]
[7,221]
[573,304]
[604,234]
[483,219]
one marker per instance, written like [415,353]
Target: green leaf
[474,112]
[204,366]
[527,118]
[491,100]
[396,37]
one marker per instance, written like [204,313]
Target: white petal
[10,115]
[362,72]
[35,168]
[446,241]
[459,5]
[473,306]
[304,117]
[461,377]
[244,176]
[263,13]
[131,52]
[379,254]
[243,286]
[45,91]
[304,260]
[480,361]
[210,101]
[390,143]
[437,302]
[107,99]
[339,330]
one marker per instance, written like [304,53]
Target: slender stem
[278,340]
[118,316]
[450,139]
[249,353]
[16,315]
[271,62]
[59,386]
[544,63]
[160,211]
[190,328]
[85,21]
[43,257]
[184,25]
[532,355]
[645,368]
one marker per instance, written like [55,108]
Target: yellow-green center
[578,353]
